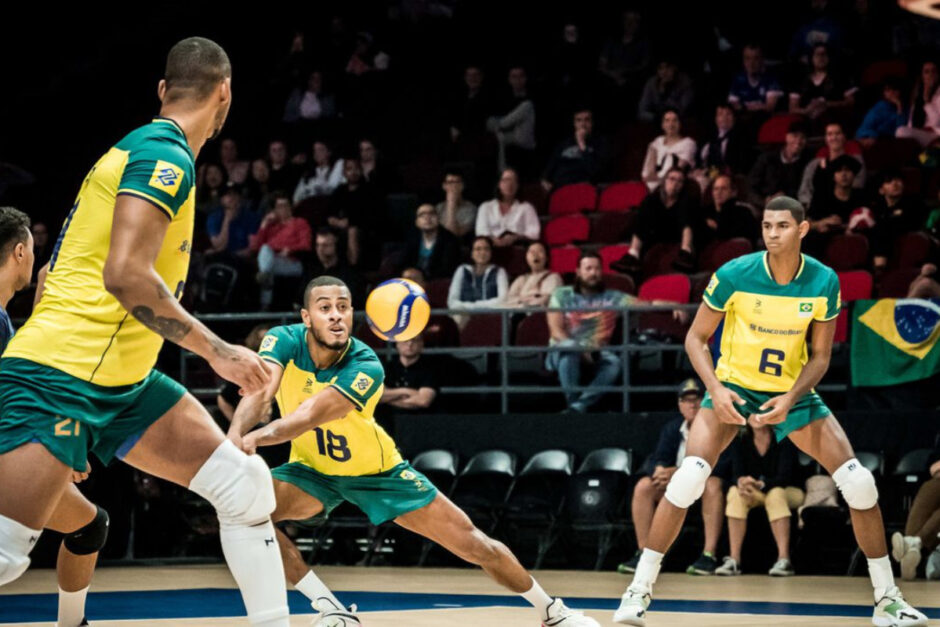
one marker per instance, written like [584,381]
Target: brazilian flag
[894,340]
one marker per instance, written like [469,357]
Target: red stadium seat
[911,250]
[612,253]
[482,330]
[533,331]
[891,152]
[512,258]
[896,283]
[852,147]
[565,259]
[875,73]
[441,331]
[612,227]
[659,259]
[617,281]
[572,199]
[672,287]
[535,194]
[566,229]
[847,252]
[622,196]
[718,253]
[854,285]
[437,290]
[774,130]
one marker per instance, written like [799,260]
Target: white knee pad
[16,541]
[856,484]
[239,486]
[688,482]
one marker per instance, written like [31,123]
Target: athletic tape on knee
[857,485]
[688,482]
[239,486]
[90,538]
[16,541]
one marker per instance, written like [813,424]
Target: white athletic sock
[537,597]
[647,570]
[255,561]
[312,588]
[882,578]
[71,608]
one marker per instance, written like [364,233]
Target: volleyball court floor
[205,596]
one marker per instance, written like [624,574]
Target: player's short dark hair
[194,67]
[14,229]
[785,203]
[324,280]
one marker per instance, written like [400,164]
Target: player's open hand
[726,401]
[776,410]
[242,366]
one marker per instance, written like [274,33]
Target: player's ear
[804,228]
[161,89]
[305,316]
[225,91]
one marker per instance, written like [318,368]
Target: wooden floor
[426,597]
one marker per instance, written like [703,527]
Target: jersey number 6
[771,362]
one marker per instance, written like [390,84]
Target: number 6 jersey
[763,342]
[353,445]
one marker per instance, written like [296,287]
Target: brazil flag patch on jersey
[166,177]
[362,383]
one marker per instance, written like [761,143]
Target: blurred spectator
[477,285]
[624,60]
[236,168]
[780,172]
[885,117]
[411,380]
[570,62]
[514,125]
[819,91]
[665,217]
[581,335]
[829,212]
[655,476]
[278,242]
[283,176]
[817,177]
[375,170]
[925,285]
[723,217]
[42,249]
[471,108]
[258,190]
[922,529]
[432,249]
[754,89]
[231,226]
[355,211]
[667,89]
[727,150]
[822,27]
[669,150]
[457,214]
[329,262]
[323,176]
[579,159]
[924,122]
[211,182]
[763,475]
[229,396]
[535,287]
[506,219]
[415,274]
[895,215]
[312,103]
[365,57]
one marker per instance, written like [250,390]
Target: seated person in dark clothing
[578,159]
[922,529]
[829,212]
[432,248]
[328,261]
[780,172]
[411,380]
[230,228]
[724,217]
[665,216]
[727,150]
[895,215]
[763,476]
[659,468]
[820,90]
[355,211]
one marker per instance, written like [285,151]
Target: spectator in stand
[668,151]
[258,189]
[763,475]
[477,285]
[328,261]
[230,228]
[924,122]
[506,219]
[727,150]
[411,380]
[754,89]
[284,174]
[817,177]
[279,243]
[922,529]
[355,211]
[42,250]
[819,91]
[829,212]
[323,176]
[725,217]
[667,89]
[228,397]
[658,470]
[211,184]
[581,335]
[514,125]
[432,249]
[365,57]
[823,26]
[885,117]
[457,214]
[535,287]
[375,170]
[625,60]
[471,109]
[579,159]
[895,215]
[235,168]
[312,103]
[780,172]
[665,217]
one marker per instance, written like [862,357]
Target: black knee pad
[90,538]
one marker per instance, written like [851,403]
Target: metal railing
[505,350]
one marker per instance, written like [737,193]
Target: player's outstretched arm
[137,234]
[256,407]
[696,346]
[324,406]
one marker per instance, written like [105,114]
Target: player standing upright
[79,374]
[773,304]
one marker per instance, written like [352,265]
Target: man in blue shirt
[754,89]
[231,225]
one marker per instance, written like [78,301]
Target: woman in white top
[535,287]
[506,219]
[477,285]
[667,151]
[924,121]
[325,175]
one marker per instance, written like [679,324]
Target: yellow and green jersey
[353,445]
[78,327]
[763,342]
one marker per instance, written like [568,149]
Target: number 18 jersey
[763,343]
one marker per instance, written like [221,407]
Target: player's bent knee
[688,482]
[857,485]
[90,538]
[16,541]
[239,486]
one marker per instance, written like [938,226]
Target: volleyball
[397,310]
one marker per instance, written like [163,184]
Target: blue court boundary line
[224,603]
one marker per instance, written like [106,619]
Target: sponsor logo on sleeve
[362,383]
[166,177]
[267,344]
